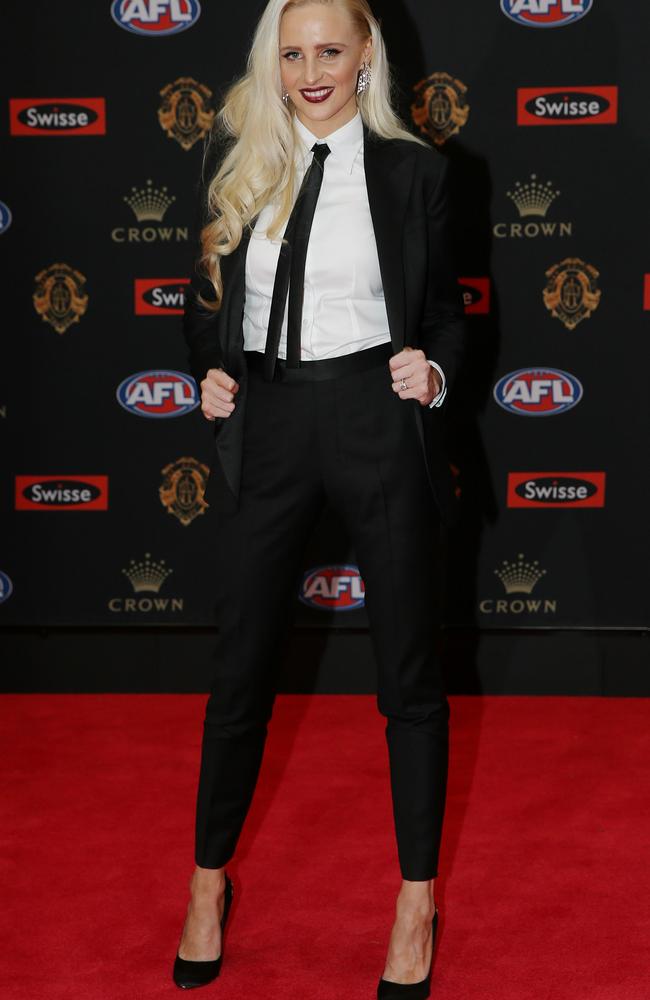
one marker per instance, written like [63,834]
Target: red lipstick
[315,95]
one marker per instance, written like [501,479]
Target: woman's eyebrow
[319,45]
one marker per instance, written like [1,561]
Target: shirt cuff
[439,399]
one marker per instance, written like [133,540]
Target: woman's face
[320,57]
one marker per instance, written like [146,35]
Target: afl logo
[155,17]
[538,392]
[5,217]
[545,13]
[6,587]
[158,394]
[333,588]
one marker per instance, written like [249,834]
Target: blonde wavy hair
[256,127]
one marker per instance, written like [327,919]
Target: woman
[323,361]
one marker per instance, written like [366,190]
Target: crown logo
[147,575]
[533,198]
[519,577]
[149,202]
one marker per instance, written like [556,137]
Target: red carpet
[545,867]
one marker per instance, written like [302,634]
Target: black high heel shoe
[410,991]
[187,974]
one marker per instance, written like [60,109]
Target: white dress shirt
[343,308]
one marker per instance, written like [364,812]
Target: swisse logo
[545,13]
[333,588]
[57,116]
[538,392]
[6,587]
[155,17]
[556,489]
[476,294]
[567,106]
[61,493]
[160,296]
[158,394]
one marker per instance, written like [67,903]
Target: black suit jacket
[408,193]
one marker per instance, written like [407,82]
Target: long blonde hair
[256,127]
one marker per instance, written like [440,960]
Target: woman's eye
[328,53]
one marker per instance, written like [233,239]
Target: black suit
[288,448]
[409,204]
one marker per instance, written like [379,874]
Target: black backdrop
[544,116]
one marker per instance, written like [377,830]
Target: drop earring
[363,80]
[285,96]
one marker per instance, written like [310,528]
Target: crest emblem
[182,488]
[571,293]
[185,113]
[440,107]
[60,297]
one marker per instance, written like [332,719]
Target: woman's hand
[217,394]
[422,380]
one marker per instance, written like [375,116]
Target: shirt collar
[344,143]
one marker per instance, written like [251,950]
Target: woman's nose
[312,70]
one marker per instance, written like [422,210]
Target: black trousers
[349,441]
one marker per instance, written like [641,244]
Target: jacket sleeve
[443,333]
[200,327]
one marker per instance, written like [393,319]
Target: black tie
[290,271]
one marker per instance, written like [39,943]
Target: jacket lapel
[389,172]
[231,315]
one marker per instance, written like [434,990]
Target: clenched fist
[413,377]
[217,394]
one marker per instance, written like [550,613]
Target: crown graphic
[519,577]
[147,575]
[149,202]
[533,198]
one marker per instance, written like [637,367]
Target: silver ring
[403,384]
